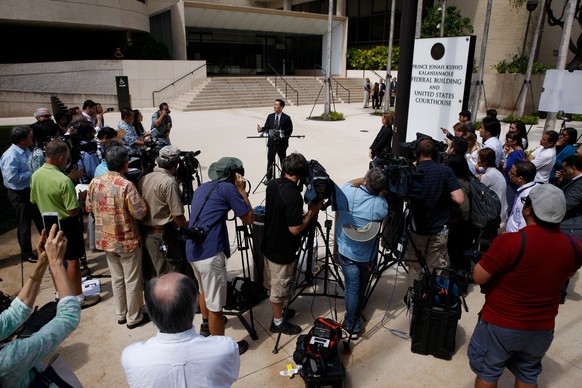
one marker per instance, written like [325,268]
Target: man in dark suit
[279,127]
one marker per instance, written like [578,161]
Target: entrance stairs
[251,92]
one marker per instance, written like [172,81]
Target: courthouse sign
[440,83]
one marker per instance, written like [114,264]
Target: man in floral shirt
[116,206]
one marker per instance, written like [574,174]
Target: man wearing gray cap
[210,206]
[161,192]
[524,272]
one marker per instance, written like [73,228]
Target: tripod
[326,269]
[245,302]
[273,167]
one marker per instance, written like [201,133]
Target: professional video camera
[401,179]
[143,163]
[319,184]
[77,141]
[440,148]
[188,170]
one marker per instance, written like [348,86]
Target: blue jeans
[356,276]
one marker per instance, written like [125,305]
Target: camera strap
[204,203]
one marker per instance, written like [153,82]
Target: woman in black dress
[383,141]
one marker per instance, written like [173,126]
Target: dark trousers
[25,214]
[375,104]
[272,151]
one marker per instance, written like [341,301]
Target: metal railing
[337,83]
[207,65]
[378,75]
[277,75]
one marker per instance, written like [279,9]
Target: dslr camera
[196,233]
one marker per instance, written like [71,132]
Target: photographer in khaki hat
[210,205]
[161,191]
[524,272]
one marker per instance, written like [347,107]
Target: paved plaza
[380,358]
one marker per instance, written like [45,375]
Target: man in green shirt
[52,191]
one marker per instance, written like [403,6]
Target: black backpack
[485,205]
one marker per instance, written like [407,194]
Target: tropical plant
[518,64]
[374,58]
[455,23]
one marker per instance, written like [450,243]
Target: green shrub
[333,116]
[531,119]
[518,65]
[576,117]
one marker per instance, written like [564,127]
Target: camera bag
[243,293]
[435,315]
[318,354]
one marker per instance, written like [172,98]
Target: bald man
[178,356]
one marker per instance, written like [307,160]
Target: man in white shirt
[489,132]
[522,174]
[178,356]
[544,157]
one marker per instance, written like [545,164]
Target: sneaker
[346,334]
[90,300]
[144,320]
[204,330]
[243,346]
[285,328]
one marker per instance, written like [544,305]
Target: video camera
[440,149]
[318,183]
[402,180]
[188,167]
[77,141]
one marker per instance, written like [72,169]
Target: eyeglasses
[47,116]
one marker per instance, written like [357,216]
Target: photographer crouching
[161,191]
[208,245]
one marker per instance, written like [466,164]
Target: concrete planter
[502,92]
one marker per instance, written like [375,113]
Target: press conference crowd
[78,167]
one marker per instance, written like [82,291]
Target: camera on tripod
[318,183]
[188,167]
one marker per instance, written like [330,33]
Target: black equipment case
[318,354]
[435,314]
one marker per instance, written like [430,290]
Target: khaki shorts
[211,276]
[277,279]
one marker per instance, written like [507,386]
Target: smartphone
[49,219]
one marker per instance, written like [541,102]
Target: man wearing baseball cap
[211,203]
[524,272]
[161,191]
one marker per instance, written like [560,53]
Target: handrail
[178,80]
[337,83]
[378,75]
[286,84]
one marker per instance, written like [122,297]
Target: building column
[287,5]
[340,8]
